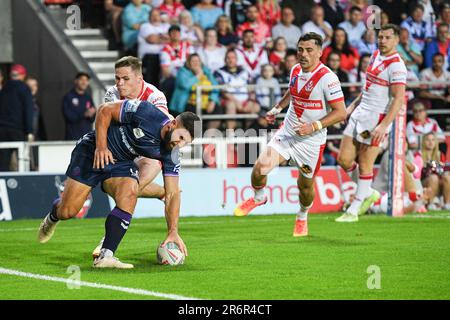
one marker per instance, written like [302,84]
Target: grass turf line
[253,257]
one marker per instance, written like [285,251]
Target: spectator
[236,10]
[212,53]
[189,77]
[151,39]
[444,15]
[428,13]
[205,14]
[114,9]
[361,4]
[410,90]
[384,18]
[286,29]
[333,12]
[409,51]
[172,58]
[78,109]
[276,57]
[269,11]
[439,44]
[172,9]
[302,9]
[260,30]
[237,98]
[397,9]
[418,28]
[421,125]
[334,63]
[267,88]
[250,55]
[189,31]
[340,44]
[16,113]
[134,14]
[290,60]
[368,43]
[225,34]
[318,25]
[438,183]
[354,26]
[331,150]
[438,94]
[359,74]
[39,132]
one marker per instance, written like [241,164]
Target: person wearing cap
[78,108]
[16,113]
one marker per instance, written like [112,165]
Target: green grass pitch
[253,257]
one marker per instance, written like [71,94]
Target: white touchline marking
[96,285]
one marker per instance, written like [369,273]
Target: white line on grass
[141,292]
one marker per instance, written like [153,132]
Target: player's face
[308,54]
[178,137]
[128,82]
[387,41]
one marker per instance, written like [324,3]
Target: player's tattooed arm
[106,113]
[172,211]
[398,99]
[278,107]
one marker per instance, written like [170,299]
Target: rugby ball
[169,254]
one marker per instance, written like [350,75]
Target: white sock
[363,190]
[105,253]
[353,172]
[259,194]
[303,212]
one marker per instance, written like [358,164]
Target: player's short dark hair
[312,36]
[82,74]
[129,61]
[390,26]
[174,28]
[355,8]
[248,31]
[189,121]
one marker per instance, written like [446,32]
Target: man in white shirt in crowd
[438,94]
[151,39]
[286,29]
[318,25]
[354,26]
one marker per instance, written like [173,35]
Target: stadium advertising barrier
[205,192]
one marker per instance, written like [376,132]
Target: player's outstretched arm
[106,113]
[172,212]
[398,99]
[277,108]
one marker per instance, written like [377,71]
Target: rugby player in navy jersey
[124,130]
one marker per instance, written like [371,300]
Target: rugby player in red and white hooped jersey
[372,114]
[315,101]
[131,85]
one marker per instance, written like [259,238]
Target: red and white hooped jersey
[148,93]
[383,71]
[311,95]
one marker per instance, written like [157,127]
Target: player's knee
[345,162]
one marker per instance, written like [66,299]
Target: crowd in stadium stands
[185,44]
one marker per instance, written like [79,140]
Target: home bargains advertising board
[205,192]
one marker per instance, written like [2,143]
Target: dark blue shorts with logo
[81,170]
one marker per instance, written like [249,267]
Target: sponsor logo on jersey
[334,84]
[134,173]
[132,105]
[75,102]
[138,133]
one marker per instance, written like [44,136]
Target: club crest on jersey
[309,86]
[138,133]
[306,169]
